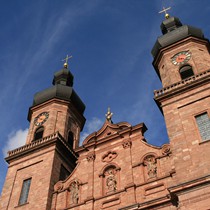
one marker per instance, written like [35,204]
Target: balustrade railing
[181,83]
[39,142]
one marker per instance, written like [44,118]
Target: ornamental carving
[151,166]
[166,149]
[127,143]
[90,156]
[74,192]
[110,178]
[111,181]
[58,186]
[109,156]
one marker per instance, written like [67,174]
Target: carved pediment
[108,129]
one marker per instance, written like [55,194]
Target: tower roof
[63,77]
[61,89]
[173,31]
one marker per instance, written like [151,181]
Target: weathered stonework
[115,168]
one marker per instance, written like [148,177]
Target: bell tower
[56,120]
[182,62]
[57,109]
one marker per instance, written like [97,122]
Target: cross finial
[109,115]
[65,65]
[164,10]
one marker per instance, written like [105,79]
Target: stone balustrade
[181,83]
[39,142]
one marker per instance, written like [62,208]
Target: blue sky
[110,41]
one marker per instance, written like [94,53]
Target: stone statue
[111,182]
[74,192]
[109,115]
[150,161]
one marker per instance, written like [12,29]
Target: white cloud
[15,140]
[94,124]
[91,125]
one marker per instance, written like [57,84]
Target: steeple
[63,77]
[62,89]
[62,106]
[56,120]
[182,62]
[170,24]
[176,52]
[173,31]
[165,11]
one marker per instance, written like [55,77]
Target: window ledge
[20,205]
[205,141]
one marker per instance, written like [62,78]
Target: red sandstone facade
[115,168]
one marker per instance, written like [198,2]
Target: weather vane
[164,10]
[65,65]
[109,115]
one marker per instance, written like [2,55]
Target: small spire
[65,65]
[109,115]
[164,10]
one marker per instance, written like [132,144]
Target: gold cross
[66,61]
[164,10]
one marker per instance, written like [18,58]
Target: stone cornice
[34,145]
[182,85]
[150,204]
[189,185]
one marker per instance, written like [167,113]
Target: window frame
[22,200]
[196,124]
[185,65]
[41,127]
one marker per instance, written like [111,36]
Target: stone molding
[39,143]
[127,143]
[117,168]
[180,84]
[150,204]
[90,156]
[166,149]
[190,184]
[58,187]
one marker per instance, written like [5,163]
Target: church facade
[115,168]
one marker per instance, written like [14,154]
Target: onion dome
[173,31]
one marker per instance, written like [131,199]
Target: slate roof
[174,31]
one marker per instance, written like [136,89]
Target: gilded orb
[167,15]
[65,65]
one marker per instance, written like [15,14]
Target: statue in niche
[111,182]
[151,164]
[74,192]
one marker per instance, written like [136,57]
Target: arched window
[71,138]
[186,71]
[38,133]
